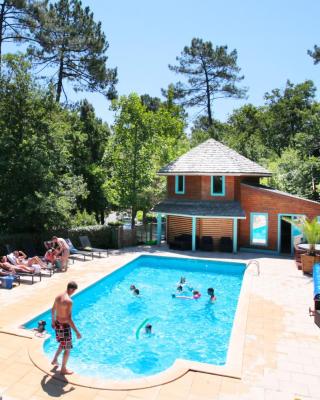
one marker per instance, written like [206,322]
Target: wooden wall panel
[177,226]
[263,201]
[216,227]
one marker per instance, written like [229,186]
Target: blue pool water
[108,316]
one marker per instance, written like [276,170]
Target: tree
[16,19]
[39,189]
[211,74]
[89,139]
[142,140]
[202,130]
[296,174]
[315,54]
[73,47]
[288,113]
[245,130]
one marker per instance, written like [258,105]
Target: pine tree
[73,47]
[211,74]
[16,19]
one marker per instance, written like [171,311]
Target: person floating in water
[183,280]
[210,292]
[148,329]
[136,292]
[183,283]
[132,287]
[195,296]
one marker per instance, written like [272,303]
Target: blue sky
[271,36]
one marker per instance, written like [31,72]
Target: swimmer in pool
[195,296]
[136,292]
[148,329]
[210,292]
[132,287]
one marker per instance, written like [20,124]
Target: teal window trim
[251,229]
[177,184]
[223,192]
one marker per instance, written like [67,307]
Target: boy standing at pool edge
[62,323]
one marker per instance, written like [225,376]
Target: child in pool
[195,296]
[148,329]
[183,283]
[210,292]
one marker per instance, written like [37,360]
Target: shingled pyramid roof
[213,158]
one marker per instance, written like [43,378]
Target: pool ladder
[256,263]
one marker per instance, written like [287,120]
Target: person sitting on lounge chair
[7,266]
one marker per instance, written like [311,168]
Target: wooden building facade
[212,191]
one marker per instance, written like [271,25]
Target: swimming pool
[108,316]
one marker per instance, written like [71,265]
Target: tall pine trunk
[60,78]
[2,12]
[208,97]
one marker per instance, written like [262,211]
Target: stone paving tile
[110,395]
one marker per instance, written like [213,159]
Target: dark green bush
[100,236]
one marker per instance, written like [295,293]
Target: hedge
[102,236]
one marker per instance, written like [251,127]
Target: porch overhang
[200,208]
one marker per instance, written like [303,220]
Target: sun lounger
[75,253]
[32,275]
[86,245]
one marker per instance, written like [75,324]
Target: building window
[180,184]
[259,229]
[217,186]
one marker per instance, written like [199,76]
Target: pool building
[215,200]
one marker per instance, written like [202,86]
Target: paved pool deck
[281,351]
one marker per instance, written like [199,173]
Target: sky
[271,37]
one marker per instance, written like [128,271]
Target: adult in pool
[62,323]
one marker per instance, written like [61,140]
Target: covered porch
[193,222]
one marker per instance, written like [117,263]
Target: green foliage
[140,216]
[296,174]
[245,131]
[202,130]
[17,18]
[73,46]
[88,138]
[82,218]
[315,54]
[142,141]
[211,73]
[39,190]
[288,113]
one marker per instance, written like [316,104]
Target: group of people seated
[18,262]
